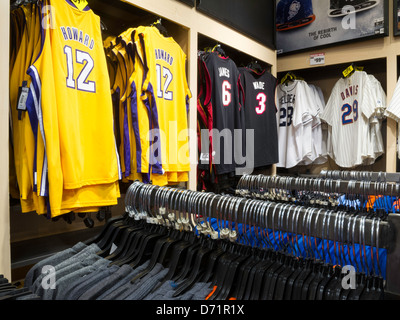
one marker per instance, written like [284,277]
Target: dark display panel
[254,18]
[188,2]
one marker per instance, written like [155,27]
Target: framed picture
[396,17]
[308,24]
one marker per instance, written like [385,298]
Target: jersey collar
[87,8]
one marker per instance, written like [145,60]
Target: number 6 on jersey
[226,94]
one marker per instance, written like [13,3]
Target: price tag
[317,59]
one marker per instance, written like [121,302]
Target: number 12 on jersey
[86,60]
[163,89]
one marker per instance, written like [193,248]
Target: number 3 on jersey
[86,60]
[262,99]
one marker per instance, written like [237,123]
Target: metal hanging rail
[360,175]
[185,205]
[260,183]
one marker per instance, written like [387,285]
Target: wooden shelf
[28,252]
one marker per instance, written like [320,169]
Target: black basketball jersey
[229,146]
[260,112]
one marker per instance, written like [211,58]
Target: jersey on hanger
[347,112]
[260,112]
[166,94]
[296,112]
[71,93]
[228,114]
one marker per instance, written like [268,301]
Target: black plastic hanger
[105,232]
[255,66]
[231,260]
[245,277]
[162,244]
[259,271]
[218,49]
[115,238]
[160,27]
[125,240]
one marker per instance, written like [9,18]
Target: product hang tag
[23,96]
[348,71]
[80,4]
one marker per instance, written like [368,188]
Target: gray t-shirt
[63,282]
[124,281]
[94,292]
[145,287]
[84,258]
[125,290]
[82,284]
[53,260]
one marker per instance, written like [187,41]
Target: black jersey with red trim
[260,112]
[228,118]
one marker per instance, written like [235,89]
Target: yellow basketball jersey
[167,94]
[71,86]
[22,137]
[141,114]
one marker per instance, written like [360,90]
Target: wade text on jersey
[259,85]
[74,34]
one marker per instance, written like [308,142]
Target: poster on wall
[396,17]
[308,24]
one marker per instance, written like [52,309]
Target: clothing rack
[190,209]
[254,186]
[360,175]
[260,183]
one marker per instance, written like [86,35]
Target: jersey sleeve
[369,98]
[188,93]
[393,109]
[304,107]
[327,114]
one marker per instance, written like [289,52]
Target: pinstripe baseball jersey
[347,112]
[295,117]
[393,109]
